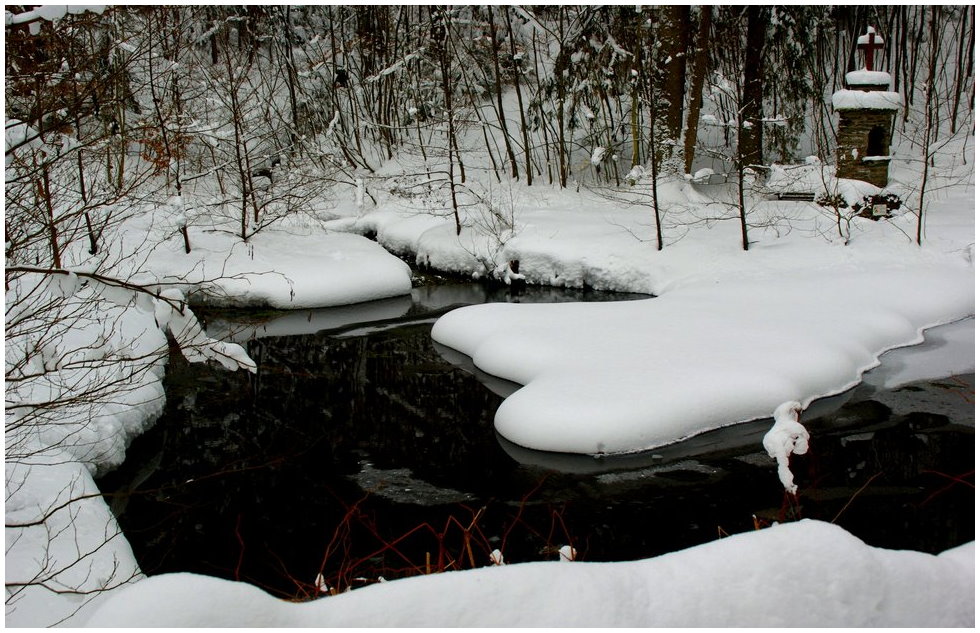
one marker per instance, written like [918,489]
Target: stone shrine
[867,110]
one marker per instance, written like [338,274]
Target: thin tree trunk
[930,114]
[500,102]
[654,171]
[164,134]
[742,215]
[290,80]
[44,189]
[441,37]
[520,100]
[240,160]
[914,45]
[958,83]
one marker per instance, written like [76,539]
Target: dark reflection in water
[250,477]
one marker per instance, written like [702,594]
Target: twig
[241,547]
[958,479]
[859,491]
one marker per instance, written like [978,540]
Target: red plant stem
[241,546]
[860,490]
[956,479]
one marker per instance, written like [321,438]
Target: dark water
[360,450]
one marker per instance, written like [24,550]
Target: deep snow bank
[619,377]
[801,574]
[70,410]
[84,367]
[286,268]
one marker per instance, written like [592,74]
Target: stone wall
[852,134]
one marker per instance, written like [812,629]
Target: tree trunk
[500,102]
[958,83]
[561,62]
[914,64]
[750,108]
[44,190]
[673,55]
[290,79]
[930,116]
[742,213]
[654,171]
[440,36]
[699,68]
[520,100]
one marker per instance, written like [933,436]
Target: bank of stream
[360,449]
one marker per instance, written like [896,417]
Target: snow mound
[628,376]
[800,574]
[280,269]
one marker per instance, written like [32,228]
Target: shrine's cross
[874,42]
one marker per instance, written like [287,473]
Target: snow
[864,77]
[864,100]
[612,378]
[946,351]
[787,437]
[808,573]
[81,547]
[814,177]
[51,456]
[49,12]
[17,134]
[731,335]
[287,267]
[703,175]
[866,38]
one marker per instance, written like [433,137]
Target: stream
[361,450]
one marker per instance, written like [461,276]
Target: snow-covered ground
[731,335]
[802,314]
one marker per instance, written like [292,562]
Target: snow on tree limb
[195,345]
[169,307]
[787,437]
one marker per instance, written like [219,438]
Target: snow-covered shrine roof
[864,100]
[867,78]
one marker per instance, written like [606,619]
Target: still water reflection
[357,430]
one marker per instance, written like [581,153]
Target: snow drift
[801,574]
[621,377]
